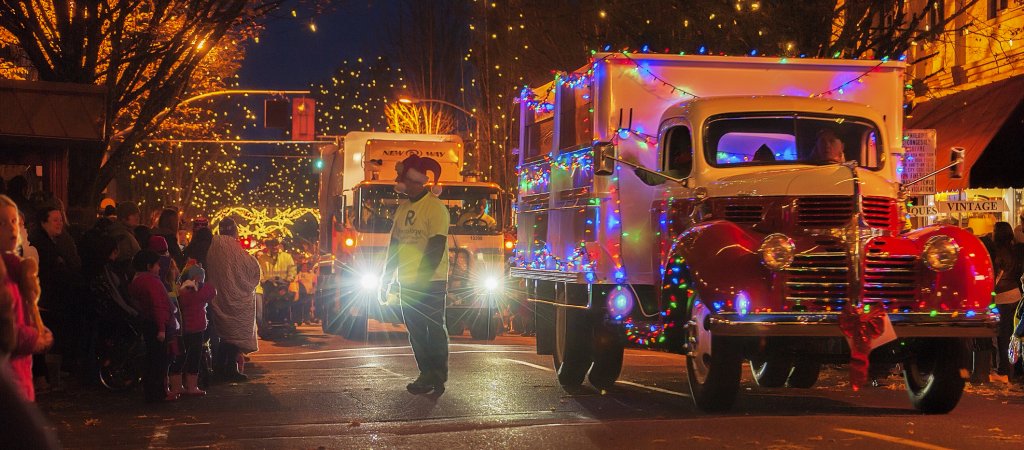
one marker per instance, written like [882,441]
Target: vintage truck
[358,200]
[687,203]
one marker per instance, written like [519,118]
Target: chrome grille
[889,278]
[824,212]
[880,212]
[744,213]
[818,277]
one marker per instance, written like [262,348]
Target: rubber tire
[455,327]
[353,328]
[722,383]
[804,375]
[608,349]
[771,373]
[483,327]
[940,391]
[572,357]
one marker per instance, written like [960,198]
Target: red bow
[860,329]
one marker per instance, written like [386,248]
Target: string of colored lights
[857,79]
[575,80]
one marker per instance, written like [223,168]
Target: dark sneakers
[424,385]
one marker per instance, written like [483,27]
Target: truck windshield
[472,209]
[794,139]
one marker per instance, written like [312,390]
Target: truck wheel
[572,347]
[713,365]
[483,327]
[804,375]
[354,327]
[351,319]
[608,349]
[455,327]
[933,376]
[770,372]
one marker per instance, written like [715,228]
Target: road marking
[535,366]
[627,383]
[652,388]
[374,349]
[389,355]
[159,437]
[893,439]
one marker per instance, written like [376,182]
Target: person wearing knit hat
[168,268]
[418,260]
[414,169]
[199,223]
[157,244]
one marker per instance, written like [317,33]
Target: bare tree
[146,53]
[418,118]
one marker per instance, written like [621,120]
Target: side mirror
[342,203]
[604,158]
[956,158]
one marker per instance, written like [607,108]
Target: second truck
[358,200]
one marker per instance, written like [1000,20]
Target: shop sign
[973,206]
[922,210]
[919,160]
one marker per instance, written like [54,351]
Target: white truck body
[625,96]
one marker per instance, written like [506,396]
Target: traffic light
[318,164]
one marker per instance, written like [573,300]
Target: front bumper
[906,325]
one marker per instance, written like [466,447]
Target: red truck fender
[720,262]
[968,285]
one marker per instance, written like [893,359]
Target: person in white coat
[235,274]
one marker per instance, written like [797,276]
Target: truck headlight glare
[492,283]
[777,251]
[940,253]
[369,282]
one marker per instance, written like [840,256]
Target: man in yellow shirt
[418,260]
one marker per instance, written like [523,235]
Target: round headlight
[369,282]
[777,251]
[940,253]
[492,283]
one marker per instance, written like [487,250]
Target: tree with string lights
[149,55]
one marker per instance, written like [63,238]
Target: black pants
[154,379]
[1006,312]
[300,309]
[191,352]
[423,311]
[226,358]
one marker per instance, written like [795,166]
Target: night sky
[291,56]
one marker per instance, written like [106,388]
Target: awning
[974,119]
[45,113]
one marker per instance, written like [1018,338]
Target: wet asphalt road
[317,391]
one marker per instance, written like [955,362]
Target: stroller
[277,315]
[119,348]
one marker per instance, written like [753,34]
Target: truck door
[672,207]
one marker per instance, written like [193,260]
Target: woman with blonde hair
[19,293]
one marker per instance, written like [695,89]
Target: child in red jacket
[193,297]
[159,322]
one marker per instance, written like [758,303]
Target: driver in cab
[476,215]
